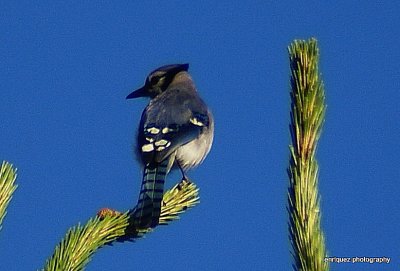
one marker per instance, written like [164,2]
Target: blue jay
[176,130]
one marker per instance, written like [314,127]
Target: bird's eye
[155,79]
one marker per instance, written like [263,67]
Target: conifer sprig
[74,252]
[307,116]
[7,187]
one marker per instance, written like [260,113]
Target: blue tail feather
[148,209]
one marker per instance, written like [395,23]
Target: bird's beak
[141,92]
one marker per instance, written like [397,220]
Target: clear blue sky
[65,124]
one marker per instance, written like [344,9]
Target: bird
[176,131]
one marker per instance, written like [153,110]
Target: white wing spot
[166,130]
[161,142]
[147,148]
[153,130]
[150,139]
[196,122]
[160,148]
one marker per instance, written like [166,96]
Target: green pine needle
[7,188]
[177,200]
[81,242]
[307,115]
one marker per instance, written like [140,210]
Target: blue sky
[66,69]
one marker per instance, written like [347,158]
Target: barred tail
[148,209]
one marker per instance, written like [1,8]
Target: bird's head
[158,81]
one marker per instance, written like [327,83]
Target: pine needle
[74,252]
[7,188]
[307,115]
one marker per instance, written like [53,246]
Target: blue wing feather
[167,123]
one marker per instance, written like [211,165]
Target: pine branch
[80,243]
[307,115]
[7,188]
